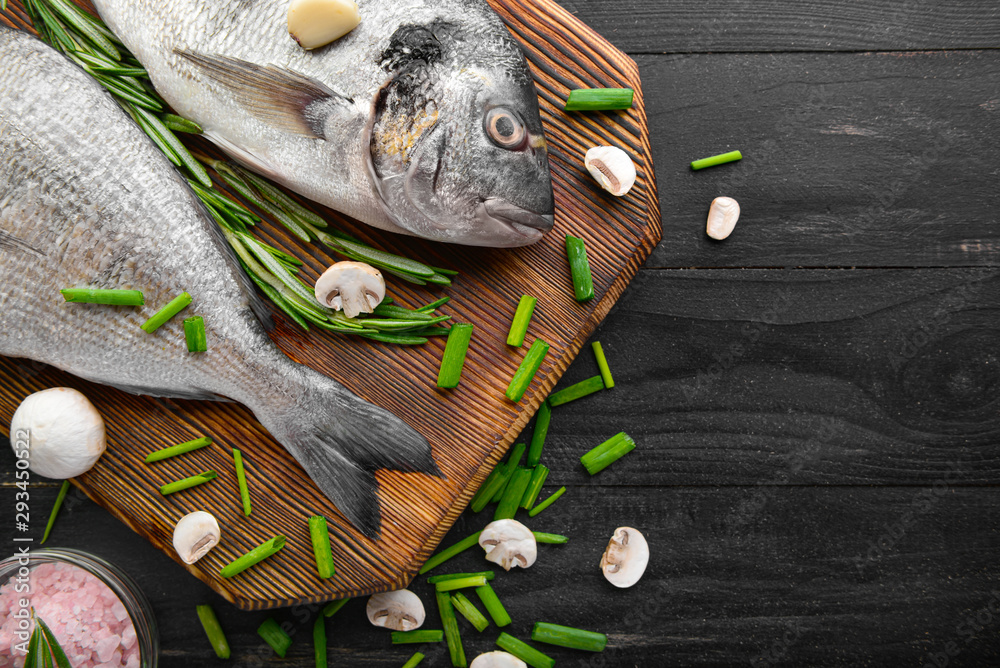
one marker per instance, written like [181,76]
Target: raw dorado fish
[422,120]
[87,200]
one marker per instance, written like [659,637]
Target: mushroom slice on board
[509,543]
[625,559]
[399,610]
[195,534]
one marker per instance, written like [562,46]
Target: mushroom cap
[195,534]
[354,287]
[509,543]
[625,558]
[497,660]
[399,610]
[63,431]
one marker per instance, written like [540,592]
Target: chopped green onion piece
[107,297]
[519,326]
[418,636]
[434,579]
[526,372]
[446,554]
[577,391]
[599,99]
[550,538]
[579,269]
[493,605]
[188,483]
[501,484]
[607,453]
[173,307]
[512,496]
[547,502]
[720,159]
[319,641]
[602,364]
[55,510]
[414,660]
[333,606]
[321,546]
[469,611]
[542,420]
[524,652]
[450,624]
[179,449]
[275,636]
[214,632]
[538,476]
[253,557]
[567,636]
[194,332]
[460,583]
[454,355]
[487,489]
[241,479]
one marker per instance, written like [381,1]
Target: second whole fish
[87,200]
[423,120]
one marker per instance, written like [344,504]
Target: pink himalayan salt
[85,615]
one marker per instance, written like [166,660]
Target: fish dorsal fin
[274,95]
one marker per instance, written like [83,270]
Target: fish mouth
[528,226]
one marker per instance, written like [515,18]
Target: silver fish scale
[87,200]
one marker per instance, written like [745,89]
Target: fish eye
[505,128]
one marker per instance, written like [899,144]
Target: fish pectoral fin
[275,95]
[10,242]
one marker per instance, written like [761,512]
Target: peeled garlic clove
[195,534]
[62,431]
[625,559]
[612,167]
[509,543]
[497,660]
[399,610]
[722,217]
[314,23]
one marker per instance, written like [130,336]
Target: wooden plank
[694,26]
[469,428]
[737,574]
[849,159]
[794,377]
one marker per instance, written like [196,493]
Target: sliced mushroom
[497,660]
[612,168]
[399,610]
[625,559]
[354,287]
[509,543]
[195,534]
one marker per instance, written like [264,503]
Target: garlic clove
[315,23]
[399,610]
[612,167]
[497,660]
[722,217]
[353,287]
[509,543]
[625,559]
[62,431]
[195,534]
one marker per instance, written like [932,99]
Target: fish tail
[341,440]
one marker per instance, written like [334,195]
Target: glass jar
[124,587]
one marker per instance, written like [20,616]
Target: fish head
[456,147]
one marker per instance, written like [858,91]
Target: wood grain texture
[718,26]
[469,428]
[849,159]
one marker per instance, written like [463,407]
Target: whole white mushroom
[62,430]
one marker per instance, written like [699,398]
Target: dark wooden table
[816,399]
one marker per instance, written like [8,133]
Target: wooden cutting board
[470,428]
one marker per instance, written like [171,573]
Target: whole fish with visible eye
[423,120]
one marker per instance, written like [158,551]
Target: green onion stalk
[91,45]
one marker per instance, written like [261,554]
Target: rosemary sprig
[92,46]
[43,648]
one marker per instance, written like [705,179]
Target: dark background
[816,399]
